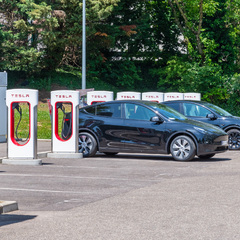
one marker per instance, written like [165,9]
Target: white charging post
[128,96]
[173,96]
[94,97]
[65,110]
[153,96]
[3,107]
[22,106]
[192,96]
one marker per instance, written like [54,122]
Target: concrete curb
[8,206]
[43,154]
[21,161]
[44,140]
[64,155]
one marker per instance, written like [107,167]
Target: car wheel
[183,148]
[87,144]
[110,153]
[234,139]
[206,156]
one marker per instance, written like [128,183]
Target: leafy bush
[232,103]
[209,80]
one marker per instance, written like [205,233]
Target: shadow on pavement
[158,157]
[45,163]
[136,157]
[214,159]
[11,219]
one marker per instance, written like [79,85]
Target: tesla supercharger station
[173,96]
[94,97]
[3,107]
[153,96]
[65,121]
[192,96]
[22,138]
[128,96]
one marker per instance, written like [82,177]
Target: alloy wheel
[234,139]
[182,148]
[86,144]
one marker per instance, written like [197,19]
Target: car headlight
[201,130]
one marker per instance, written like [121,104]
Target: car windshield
[166,111]
[218,110]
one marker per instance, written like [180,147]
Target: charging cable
[67,135]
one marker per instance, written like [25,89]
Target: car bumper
[213,145]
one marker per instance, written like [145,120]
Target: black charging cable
[65,136]
[19,109]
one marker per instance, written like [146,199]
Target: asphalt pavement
[128,196]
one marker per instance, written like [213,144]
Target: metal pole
[84,45]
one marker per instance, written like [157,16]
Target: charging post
[22,127]
[3,107]
[65,123]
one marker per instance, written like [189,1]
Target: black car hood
[233,118]
[206,126]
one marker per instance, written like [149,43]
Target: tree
[189,15]
[43,35]
[30,30]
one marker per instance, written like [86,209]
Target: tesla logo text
[172,96]
[63,96]
[20,95]
[152,97]
[127,96]
[99,96]
[190,96]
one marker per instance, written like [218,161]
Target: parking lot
[128,196]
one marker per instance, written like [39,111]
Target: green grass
[43,122]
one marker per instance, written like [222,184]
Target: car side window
[109,110]
[138,112]
[175,106]
[90,110]
[193,110]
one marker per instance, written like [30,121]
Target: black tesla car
[210,113]
[146,127]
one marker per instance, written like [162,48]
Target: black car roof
[188,101]
[123,101]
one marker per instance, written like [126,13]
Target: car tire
[87,144]
[206,156]
[183,148]
[234,139]
[110,153]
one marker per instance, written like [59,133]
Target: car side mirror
[156,119]
[211,116]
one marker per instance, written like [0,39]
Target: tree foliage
[167,45]
[48,33]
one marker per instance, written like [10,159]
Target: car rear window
[90,110]
[106,110]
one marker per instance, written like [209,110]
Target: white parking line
[83,167]
[47,191]
[78,177]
